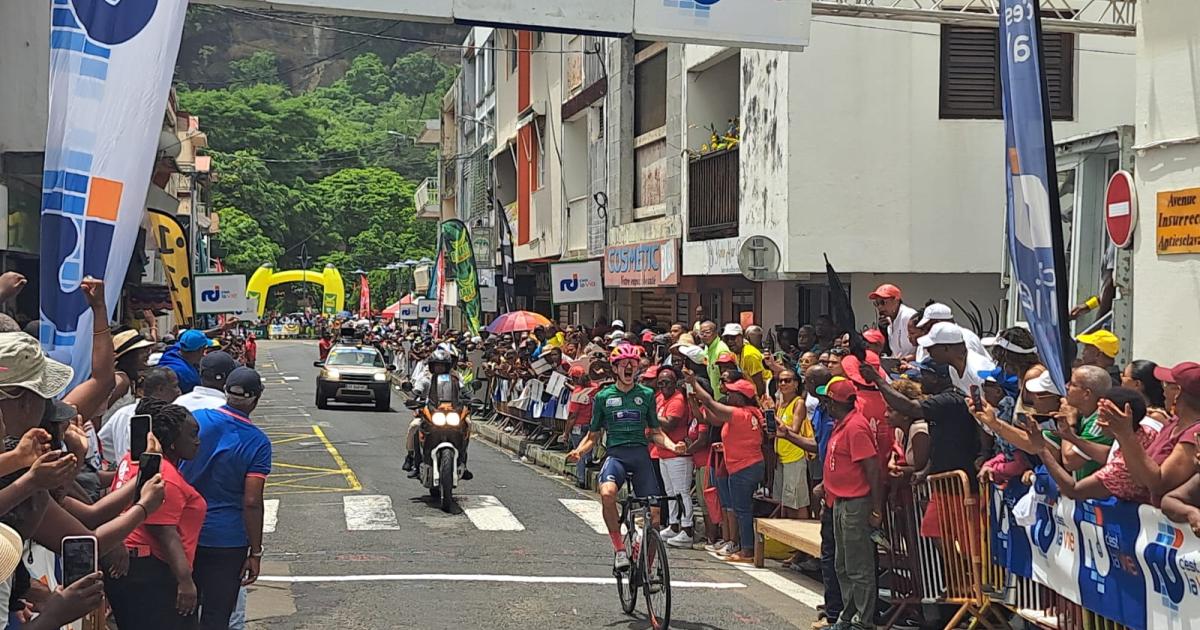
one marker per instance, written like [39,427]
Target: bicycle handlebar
[648,501]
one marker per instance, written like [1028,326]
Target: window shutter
[970,73]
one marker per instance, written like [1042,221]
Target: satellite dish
[758,259]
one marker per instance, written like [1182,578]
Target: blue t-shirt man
[184,357]
[231,449]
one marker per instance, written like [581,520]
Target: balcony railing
[427,201]
[713,185]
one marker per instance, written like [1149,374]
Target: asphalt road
[513,556]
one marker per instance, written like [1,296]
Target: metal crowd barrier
[545,429]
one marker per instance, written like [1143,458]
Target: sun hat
[23,364]
[11,548]
[127,341]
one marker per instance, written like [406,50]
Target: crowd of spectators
[813,422]
[173,549]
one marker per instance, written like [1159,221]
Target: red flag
[364,297]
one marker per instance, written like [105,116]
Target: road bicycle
[648,567]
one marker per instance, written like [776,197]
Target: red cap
[841,391]
[851,366]
[885,291]
[1186,375]
[873,335]
[727,357]
[651,373]
[743,387]
[647,336]
[576,370]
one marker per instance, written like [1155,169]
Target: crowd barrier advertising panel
[1126,562]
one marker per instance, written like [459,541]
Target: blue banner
[1124,561]
[1035,239]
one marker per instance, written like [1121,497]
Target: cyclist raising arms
[625,410]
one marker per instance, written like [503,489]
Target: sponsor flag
[110,73]
[507,266]
[1035,238]
[364,297]
[459,263]
[173,251]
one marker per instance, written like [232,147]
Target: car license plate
[356,387]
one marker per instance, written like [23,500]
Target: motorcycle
[441,438]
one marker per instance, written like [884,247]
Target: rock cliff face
[309,55]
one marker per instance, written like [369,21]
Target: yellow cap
[1103,340]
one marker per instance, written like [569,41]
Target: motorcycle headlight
[381,377]
[439,419]
[452,419]
[333,375]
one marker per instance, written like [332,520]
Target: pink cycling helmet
[625,351]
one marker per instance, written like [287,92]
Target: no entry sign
[1120,209]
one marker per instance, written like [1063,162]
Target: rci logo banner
[220,293]
[111,63]
[577,282]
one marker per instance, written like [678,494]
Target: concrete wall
[1166,288]
[547,214]
[875,170]
[982,288]
[24,66]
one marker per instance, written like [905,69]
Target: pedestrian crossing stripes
[485,512]
[270,515]
[589,511]
[488,514]
[369,512]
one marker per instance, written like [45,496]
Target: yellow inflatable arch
[265,277]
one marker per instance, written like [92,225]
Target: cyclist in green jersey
[624,410]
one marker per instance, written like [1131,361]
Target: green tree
[246,247]
[419,74]
[261,67]
[368,78]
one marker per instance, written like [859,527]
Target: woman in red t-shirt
[741,424]
[674,416]
[158,592]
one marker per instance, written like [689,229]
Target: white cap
[731,330]
[942,334]
[618,324]
[1042,384]
[936,312]
[695,353]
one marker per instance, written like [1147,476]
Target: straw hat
[10,550]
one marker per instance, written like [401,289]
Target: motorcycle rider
[440,362]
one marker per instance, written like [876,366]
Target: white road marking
[489,514]
[369,512]
[794,590]
[291,378]
[452,577]
[270,515]
[589,511]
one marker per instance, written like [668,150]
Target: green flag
[460,267]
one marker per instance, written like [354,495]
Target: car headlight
[381,377]
[439,419]
[333,375]
[452,419]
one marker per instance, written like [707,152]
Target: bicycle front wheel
[656,580]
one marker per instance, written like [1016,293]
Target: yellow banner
[1178,224]
[173,248]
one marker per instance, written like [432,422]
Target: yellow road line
[294,438]
[304,474]
[308,468]
[351,478]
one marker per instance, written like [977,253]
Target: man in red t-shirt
[853,486]
[324,345]
[579,416]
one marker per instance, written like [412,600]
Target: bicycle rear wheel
[656,580]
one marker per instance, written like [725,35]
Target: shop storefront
[642,280]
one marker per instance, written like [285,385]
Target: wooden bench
[801,535]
